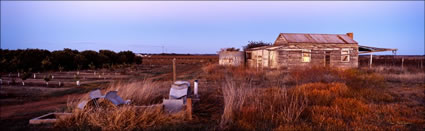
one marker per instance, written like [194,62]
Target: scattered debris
[114,98]
[111,96]
[48,118]
[179,99]
[179,92]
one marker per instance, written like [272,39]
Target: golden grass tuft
[250,107]
[125,117]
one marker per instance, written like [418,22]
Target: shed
[231,57]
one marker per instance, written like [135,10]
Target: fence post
[174,69]
[370,61]
[189,108]
[402,63]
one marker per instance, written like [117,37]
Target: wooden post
[370,61]
[174,69]
[189,108]
[402,63]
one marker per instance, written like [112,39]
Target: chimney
[350,34]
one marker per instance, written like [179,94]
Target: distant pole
[174,69]
[402,63]
[370,61]
[162,49]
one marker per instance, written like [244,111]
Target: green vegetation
[43,60]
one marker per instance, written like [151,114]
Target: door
[327,58]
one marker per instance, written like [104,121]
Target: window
[248,55]
[306,56]
[345,55]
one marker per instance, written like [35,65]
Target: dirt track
[49,104]
[17,116]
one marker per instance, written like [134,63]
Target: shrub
[322,93]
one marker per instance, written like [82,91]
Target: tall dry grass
[312,98]
[143,92]
[251,107]
[125,117]
[122,118]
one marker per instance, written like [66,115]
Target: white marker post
[195,89]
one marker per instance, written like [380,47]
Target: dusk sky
[204,27]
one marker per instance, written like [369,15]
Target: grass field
[231,98]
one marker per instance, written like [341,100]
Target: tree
[64,58]
[253,44]
[138,60]
[92,67]
[24,77]
[46,64]
[112,57]
[126,57]
[60,68]
[47,78]
[80,61]
[230,49]
[92,57]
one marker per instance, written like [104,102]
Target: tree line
[35,60]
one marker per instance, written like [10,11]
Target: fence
[409,61]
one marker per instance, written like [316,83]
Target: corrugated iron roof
[285,38]
[368,49]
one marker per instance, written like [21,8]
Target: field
[231,98]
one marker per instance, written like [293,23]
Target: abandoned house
[295,50]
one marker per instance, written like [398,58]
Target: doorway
[327,58]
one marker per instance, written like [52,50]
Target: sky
[199,27]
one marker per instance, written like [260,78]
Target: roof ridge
[313,33]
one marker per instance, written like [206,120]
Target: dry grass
[313,98]
[250,107]
[127,117]
[141,92]
[122,118]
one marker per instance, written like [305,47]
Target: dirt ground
[20,103]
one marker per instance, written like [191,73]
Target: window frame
[308,52]
[345,53]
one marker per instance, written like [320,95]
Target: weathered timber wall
[290,55]
[231,58]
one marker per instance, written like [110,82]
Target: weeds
[127,117]
[251,107]
[311,98]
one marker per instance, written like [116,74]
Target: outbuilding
[231,57]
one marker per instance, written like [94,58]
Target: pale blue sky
[204,27]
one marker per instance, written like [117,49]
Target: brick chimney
[350,34]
